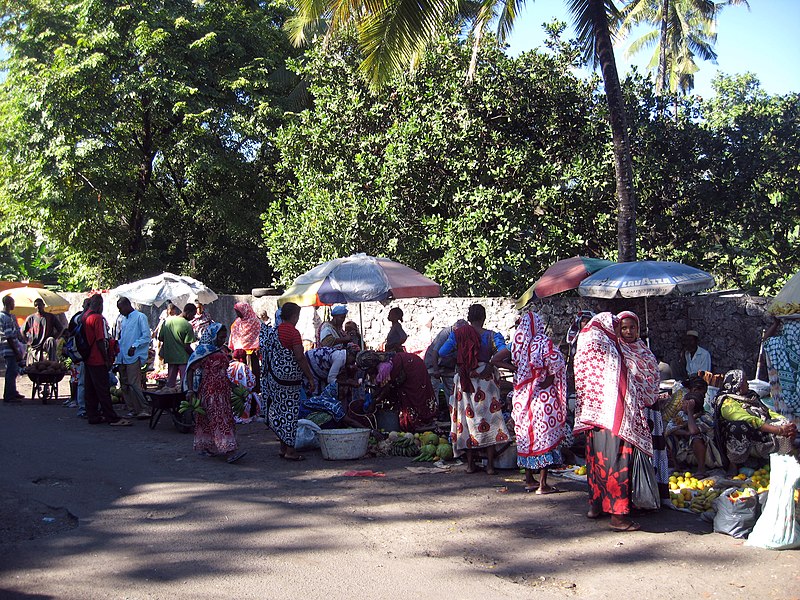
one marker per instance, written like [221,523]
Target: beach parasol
[561,276]
[643,279]
[358,278]
[167,286]
[24,298]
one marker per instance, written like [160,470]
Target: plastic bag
[736,518]
[644,488]
[777,527]
[306,436]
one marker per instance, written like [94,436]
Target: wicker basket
[343,444]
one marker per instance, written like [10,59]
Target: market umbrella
[24,298]
[790,293]
[167,286]
[645,278]
[561,276]
[358,278]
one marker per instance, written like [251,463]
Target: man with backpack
[91,334]
[77,360]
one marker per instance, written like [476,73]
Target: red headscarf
[246,328]
[468,342]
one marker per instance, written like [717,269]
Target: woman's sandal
[295,458]
[234,457]
[121,423]
[629,526]
[550,489]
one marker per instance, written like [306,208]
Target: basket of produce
[343,444]
[45,375]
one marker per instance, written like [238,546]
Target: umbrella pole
[646,322]
[361,324]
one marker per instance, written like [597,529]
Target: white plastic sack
[306,437]
[777,528]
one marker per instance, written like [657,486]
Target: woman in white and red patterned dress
[539,405]
[610,407]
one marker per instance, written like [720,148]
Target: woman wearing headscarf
[331,333]
[610,407]
[202,319]
[286,363]
[476,418]
[745,426]
[539,401]
[642,362]
[403,380]
[328,363]
[207,377]
[245,332]
[263,331]
[579,322]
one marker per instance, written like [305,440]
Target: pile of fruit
[686,491]
[422,447]
[46,367]
[580,470]
[784,308]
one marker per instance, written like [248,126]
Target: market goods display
[46,367]
[421,447]
[782,309]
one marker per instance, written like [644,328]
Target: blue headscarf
[205,347]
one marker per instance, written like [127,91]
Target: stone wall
[730,326]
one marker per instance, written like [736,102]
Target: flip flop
[232,459]
[551,489]
[297,458]
[632,526]
[121,423]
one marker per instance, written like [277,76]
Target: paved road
[101,512]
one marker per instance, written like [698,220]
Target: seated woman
[240,374]
[745,426]
[404,381]
[328,409]
[690,432]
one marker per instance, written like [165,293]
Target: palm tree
[393,34]
[683,30]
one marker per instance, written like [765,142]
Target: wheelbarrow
[45,385]
[169,402]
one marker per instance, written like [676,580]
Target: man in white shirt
[695,358]
[134,343]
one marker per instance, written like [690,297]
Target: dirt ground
[99,512]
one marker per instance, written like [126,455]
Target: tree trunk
[136,220]
[662,81]
[623,163]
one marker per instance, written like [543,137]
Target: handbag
[644,488]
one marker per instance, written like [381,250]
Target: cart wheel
[183,422]
[46,392]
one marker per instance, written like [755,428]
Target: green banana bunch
[191,405]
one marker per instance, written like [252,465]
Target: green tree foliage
[483,186]
[133,134]
[479,186]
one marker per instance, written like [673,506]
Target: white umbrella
[645,278]
[167,286]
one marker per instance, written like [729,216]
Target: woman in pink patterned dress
[539,406]
[207,377]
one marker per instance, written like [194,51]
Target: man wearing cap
[695,358]
[331,333]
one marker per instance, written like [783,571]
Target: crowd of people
[601,394]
